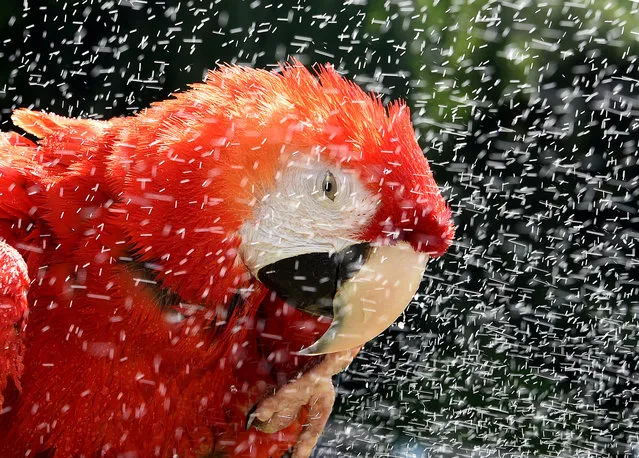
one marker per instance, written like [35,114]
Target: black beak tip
[310,281]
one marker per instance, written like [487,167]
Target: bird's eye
[329,186]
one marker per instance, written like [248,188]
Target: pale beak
[372,299]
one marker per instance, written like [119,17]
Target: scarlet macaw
[199,271]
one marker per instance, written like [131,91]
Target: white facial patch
[314,207]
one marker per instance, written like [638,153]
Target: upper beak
[364,288]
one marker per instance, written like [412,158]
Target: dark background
[524,336]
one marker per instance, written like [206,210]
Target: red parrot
[185,281]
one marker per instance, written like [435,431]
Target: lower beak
[380,283]
[372,299]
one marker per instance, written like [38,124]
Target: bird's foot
[313,390]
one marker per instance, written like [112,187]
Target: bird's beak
[364,288]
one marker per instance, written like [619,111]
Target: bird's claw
[313,390]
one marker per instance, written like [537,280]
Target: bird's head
[326,193]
